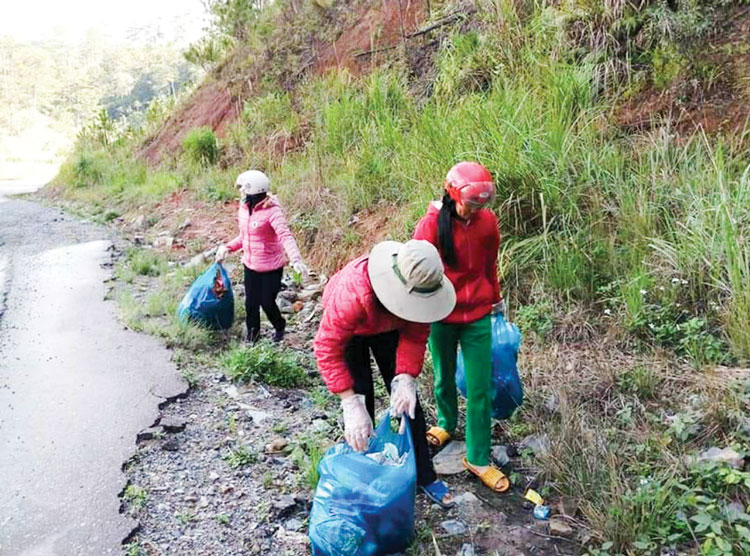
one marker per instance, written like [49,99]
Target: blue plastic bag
[507,391]
[209,300]
[361,507]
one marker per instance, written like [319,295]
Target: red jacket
[350,309]
[475,274]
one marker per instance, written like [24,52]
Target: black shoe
[278,335]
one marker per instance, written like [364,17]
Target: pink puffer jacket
[264,236]
[350,309]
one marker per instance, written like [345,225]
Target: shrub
[264,362]
[201,146]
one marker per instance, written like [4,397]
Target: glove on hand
[301,268]
[221,253]
[403,396]
[357,422]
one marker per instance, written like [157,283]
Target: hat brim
[395,296]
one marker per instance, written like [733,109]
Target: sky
[70,20]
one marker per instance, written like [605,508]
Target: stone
[191,498]
[184,224]
[284,505]
[467,550]
[285,306]
[232,392]
[277,445]
[715,455]
[500,456]
[537,444]
[164,241]
[467,499]
[567,506]
[558,528]
[293,525]
[226,489]
[309,293]
[172,424]
[453,527]
[203,502]
[199,260]
[170,445]
[213,476]
[289,295]
[148,434]
[449,460]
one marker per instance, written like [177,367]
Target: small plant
[240,457]
[223,519]
[267,480]
[535,318]
[134,549]
[135,496]
[639,380]
[186,517]
[145,262]
[265,362]
[201,146]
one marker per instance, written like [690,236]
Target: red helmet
[470,183]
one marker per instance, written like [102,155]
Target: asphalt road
[75,387]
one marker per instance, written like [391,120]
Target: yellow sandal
[438,437]
[493,478]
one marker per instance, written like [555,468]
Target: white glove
[301,268]
[403,396]
[357,422]
[499,307]
[221,253]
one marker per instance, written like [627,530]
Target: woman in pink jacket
[267,244]
[381,304]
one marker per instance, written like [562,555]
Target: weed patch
[272,365]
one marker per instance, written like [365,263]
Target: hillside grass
[634,239]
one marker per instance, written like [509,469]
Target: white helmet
[253,182]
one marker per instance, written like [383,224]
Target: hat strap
[417,289]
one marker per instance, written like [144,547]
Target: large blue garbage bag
[209,300]
[507,391]
[362,507]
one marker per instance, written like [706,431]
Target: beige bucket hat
[409,280]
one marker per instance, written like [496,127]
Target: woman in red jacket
[467,236]
[382,303]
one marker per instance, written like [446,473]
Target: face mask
[253,200]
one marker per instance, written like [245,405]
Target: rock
[453,527]
[302,497]
[715,455]
[558,528]
[500,456]
[140,222]
[203,502]
[257,415]
[184,224]
[467,550]
[214,476]
[164,241]
[449,460]
[293,525]
[191,498]
[172,424]
[309,293]
[284,505]
[285,306]
[148,434]
[232,392]
[567,506]
[226,489]
[537,444]
[199,260]
[277,445]
[170,445]
[467,499]
[289,295]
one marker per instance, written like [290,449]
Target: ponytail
[445,230]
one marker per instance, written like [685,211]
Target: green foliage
[135,496]
[241,456]
[146,262]
[271,114]
[535,318]
[201,146]
[263,361]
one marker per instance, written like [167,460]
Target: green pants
[475,339]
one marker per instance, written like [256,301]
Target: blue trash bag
[209,300]
[506,383]
[362,507]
